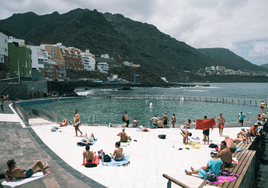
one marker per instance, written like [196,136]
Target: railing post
[244,102]
[169,184]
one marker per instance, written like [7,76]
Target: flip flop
[187,148]
[180,149]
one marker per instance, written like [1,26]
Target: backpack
[211,176]
[162,136]
[123,119]
[90,165]
[107,158]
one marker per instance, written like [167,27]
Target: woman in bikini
[88,156]
[118,154]
[173,120]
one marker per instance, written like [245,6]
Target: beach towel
[204,124]
[77,120]
[222,179]
[192,145]
[81,143]
[18,182]
[125,144]
[96,161]
[117,163]
[138,130]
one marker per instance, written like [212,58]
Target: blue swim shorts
[29,173]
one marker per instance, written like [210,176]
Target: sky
[239,25]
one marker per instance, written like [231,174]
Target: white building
[21,42]
[88,60]
[3,47]
[39,57]
[106,56]
[103,67]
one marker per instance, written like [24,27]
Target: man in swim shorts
[185,133]
[230,143]
[123,136]
[13,172]
[262,106]
[165,118]
[154,119]
[206,134]
[77,122]
[221,121]
[241,117]
[160,123]
[225,155]
[126,119]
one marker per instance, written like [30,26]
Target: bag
[211,176]
[90,165]
[107,158]
[123,119]
[212,145]
[162,136]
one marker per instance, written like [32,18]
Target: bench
[241,170]
[170,179]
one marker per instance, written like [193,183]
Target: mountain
[231,59]
[264,65]
[122,38]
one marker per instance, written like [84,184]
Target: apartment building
[88,60]
[3,54]
[72,58]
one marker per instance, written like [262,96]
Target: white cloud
[260,49]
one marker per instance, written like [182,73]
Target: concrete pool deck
[150,157]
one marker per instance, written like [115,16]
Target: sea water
[104,111]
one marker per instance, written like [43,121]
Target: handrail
[174,181]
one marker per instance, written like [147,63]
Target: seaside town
[127,99]
[49,62]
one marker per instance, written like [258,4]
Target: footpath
[23,145]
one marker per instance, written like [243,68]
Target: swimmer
[89,139]
[143,129]
[221,121]
[185,134]
[88,156]
[63,123]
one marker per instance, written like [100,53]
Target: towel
[96,161]
[192,145]
[17,182]
[205,124]
[125,144]
[85,143]
[77,120]
[222,179]
[117,163]
[238,149]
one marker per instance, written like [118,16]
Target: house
[3,54]
[88,60]
[103,67]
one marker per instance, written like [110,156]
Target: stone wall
[26,89]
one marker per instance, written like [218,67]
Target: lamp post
[18,61]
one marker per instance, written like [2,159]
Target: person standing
[126,119]
[241,117]
[262,106]
[221,121]
[77,122]
[206,134]
[165,118]
[135,122]
[2,104]
[173,120]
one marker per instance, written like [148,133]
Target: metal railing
[249,102]
[23,114]
[170,179]
[46,115]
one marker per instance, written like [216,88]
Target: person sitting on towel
[225,155]
[185,134]
[123,136]
[88,156]
[13,172]
[89,139]
[230,143]
[118,154]
[63,123]
[213,165]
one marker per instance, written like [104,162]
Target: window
[40,61]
